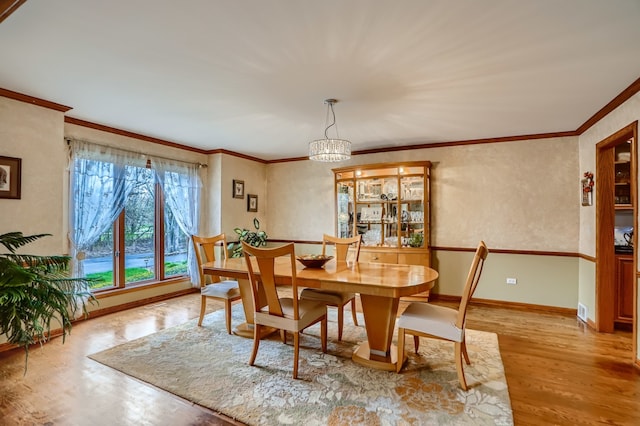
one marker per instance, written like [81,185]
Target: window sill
[100,294]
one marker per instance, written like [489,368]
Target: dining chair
[225,290]
[284,313]
[433,321]
[337,298]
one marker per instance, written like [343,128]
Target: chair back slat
[342,246]
[207,246]
[472,282]
[263,280]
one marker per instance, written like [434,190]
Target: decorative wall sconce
[587,189]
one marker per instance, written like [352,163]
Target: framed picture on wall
[10,175]
[238,188]
[252,203]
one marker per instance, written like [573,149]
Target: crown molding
[33,100]
[7,7]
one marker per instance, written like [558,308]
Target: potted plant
[255,238]
[35,290]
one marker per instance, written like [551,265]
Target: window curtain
[100,182]
[181,187]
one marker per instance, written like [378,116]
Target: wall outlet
[512,281]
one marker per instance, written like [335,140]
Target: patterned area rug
[207,366]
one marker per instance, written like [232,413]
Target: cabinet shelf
[623,186]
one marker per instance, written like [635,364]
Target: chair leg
[464,352]
[283,336]
[459,366]
[416,342]
[256,343]
[340,321]
[203,309]
[227,312]
[296,350]
[400,350]
[323,334]
[353,311]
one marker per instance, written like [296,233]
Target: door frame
[605,222]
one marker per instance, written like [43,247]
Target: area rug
[207,366]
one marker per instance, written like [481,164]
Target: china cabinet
[388,204]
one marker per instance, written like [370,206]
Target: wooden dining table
[380,286]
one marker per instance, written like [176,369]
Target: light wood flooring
[559,372]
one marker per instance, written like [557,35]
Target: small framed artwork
[238,188]
[252,203]
[10,174]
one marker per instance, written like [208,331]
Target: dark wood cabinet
[625,280]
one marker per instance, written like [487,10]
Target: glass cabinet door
[377,211]
[345,209]
[412,211]
[388,204]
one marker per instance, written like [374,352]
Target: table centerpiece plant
[255,238]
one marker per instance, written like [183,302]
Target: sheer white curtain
[100,183]
[181,186]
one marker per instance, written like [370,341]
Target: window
[131,216]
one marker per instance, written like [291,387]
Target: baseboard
[137,303]
[100,312]
[10,346]
[506,304]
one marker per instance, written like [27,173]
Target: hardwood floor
[558,371]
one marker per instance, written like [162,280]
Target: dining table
[380,286]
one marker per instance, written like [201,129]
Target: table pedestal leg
[246,329]
[379,318]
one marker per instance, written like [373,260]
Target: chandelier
[330,150]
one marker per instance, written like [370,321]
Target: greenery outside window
[140,240]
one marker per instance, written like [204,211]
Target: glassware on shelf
[371,237]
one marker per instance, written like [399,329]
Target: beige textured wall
[233,211]
[212,219]
[515,195]
[300,200]
[36,135]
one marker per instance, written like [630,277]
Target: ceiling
[251,76]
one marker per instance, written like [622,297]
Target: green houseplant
[35,290]
[255,238]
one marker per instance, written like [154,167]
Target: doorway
[616,212]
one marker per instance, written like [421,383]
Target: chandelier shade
[327,149]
